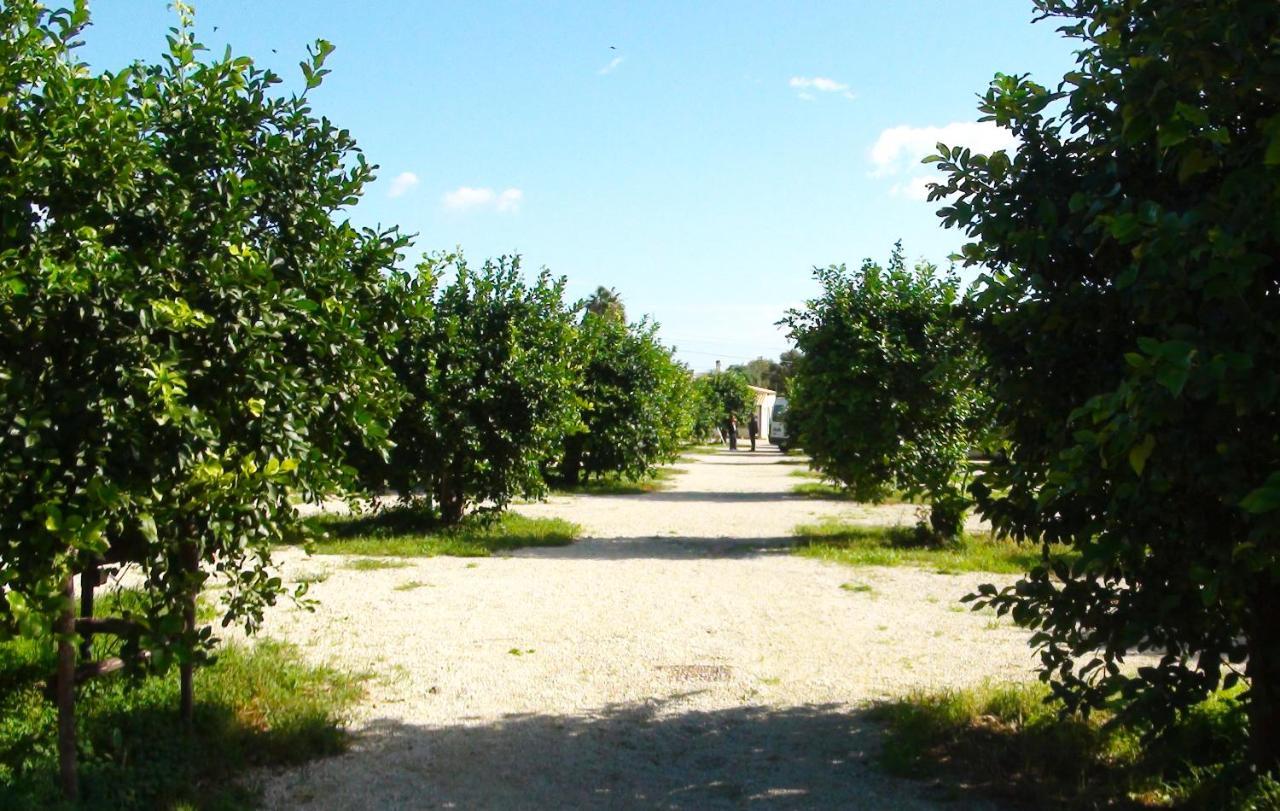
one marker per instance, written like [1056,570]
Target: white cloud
[821,84]
[902,148]
[612,66]
[465,198]
[402,183]
[915,188]
[807,97]
[818,83]
[509,200]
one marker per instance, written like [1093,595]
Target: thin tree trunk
[187,707]
[66,694]
[1264,684]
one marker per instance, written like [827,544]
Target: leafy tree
[724,394]
[884,396]
[781,372]
[1131,317]
[182,334]
[635,401]
[488,377]
[606,303]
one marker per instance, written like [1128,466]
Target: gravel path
[678,657]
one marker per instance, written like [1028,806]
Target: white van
[778,425]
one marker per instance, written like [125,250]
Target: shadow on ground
[623,756]
[665,547]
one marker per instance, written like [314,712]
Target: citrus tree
[724,394]
[488,378]
[884,394]
[635,401]
[1131,322]
[182,335]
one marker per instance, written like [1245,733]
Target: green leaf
[1264,499]
[1139,453]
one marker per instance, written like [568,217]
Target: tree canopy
[1131,322]
[884,395]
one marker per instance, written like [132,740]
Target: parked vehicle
[778,425]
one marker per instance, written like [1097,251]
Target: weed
[258,706]
[861,588]
[403,532]
[373,564]
[860,545]
[1012,742]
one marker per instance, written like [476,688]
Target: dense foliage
[1132,326]
[635,401]
[181,316]
[182,326]
[884,396]
[489,380]
[721,395]
[769,374]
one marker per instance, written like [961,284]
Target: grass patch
[833,492]
[410,585]
[1005,742]
[857,588]
[400,532]
[614,485]
[373,564]
[258,706]
[858,545]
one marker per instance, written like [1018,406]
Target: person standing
[733,433]
[753,430]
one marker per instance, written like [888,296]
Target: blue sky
[702,165]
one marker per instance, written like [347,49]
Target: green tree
[1131,317]
[885,396]
[635,401]
[724,394]
[489,379]
[182,334]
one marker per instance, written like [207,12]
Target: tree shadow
[717,496]
[641,755]
[662,548]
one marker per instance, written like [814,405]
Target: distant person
[753,430]
[732,432]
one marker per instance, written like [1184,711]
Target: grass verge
[858,545]
[1004,742]
[406,533]
[258,706]
[614,485]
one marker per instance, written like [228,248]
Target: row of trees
[192,334]
[1123,343]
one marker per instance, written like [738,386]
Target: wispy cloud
[899,150]
[466,198]
[821,84]
[402,183]
[612,66]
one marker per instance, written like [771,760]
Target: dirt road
[677,657]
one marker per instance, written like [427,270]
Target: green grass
[373,564]
[613,485]
[410,585]
[858,545]
[833,492]
[858,588]
[406,533]
[258,706]
[1004,742]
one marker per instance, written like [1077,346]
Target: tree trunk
[571,465]
[450,501]
[191,563]
[1263,671]
[66,694]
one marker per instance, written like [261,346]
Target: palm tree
[606,303]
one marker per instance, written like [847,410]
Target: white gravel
[679,657]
